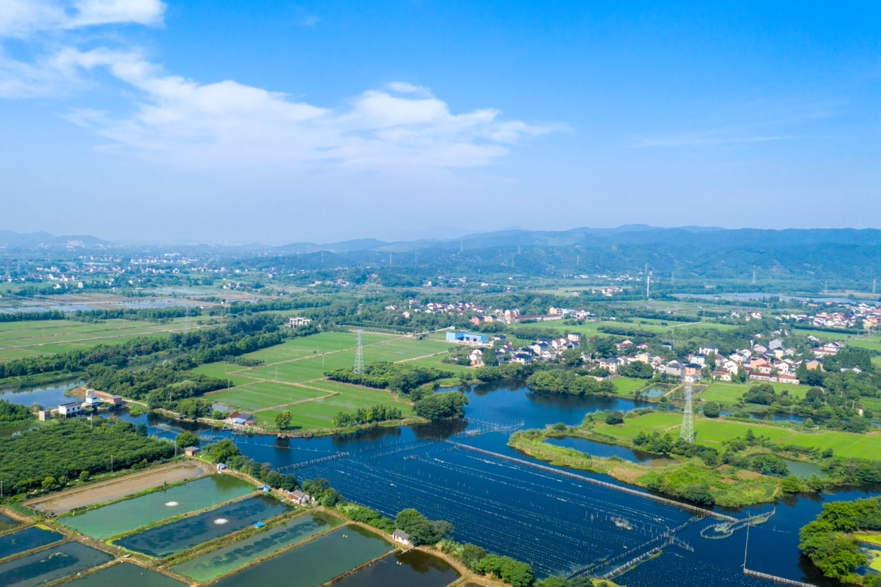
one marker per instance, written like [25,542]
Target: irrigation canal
[561,522]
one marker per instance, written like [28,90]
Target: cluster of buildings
[842,316]
[92,401]
[543,349]
[772,362]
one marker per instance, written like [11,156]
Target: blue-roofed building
[462,337]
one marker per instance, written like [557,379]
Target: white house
[70,409]
[299,321]
[402,537]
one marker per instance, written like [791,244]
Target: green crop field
[260,396]
[319,413]
[292,377]
[42,337]
[648,423]
[626,385]
[730,393]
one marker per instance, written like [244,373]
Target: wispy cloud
[24,18]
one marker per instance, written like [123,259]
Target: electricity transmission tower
[359,357]
[687,431]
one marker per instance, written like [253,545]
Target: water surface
[599,449]
[183,534]
[128,575]
[403,570]
[235,556]
[315,562]
[27,539]
[52,564]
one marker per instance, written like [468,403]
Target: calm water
[599,449]
[177,536]
[52,564]
[804,470]
[128,515]
[235,556]
[315,562]
[26,539]
[126,574]
[403,570]
[48,397]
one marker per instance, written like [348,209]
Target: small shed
[265,488]
[44,415]
[191,451]
[402,537]
[221,467]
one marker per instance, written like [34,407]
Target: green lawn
[627,385]
[319,413]
[259,396]
[710,432]
[730,393]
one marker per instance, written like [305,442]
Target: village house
[299,321]
[402,537]
[462,337]
[191,451]
[300,498]
[610,365]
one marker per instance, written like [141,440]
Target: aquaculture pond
[7,523]
[235,556]
[599,449]
[403,570]
[128,575]
[315,562]
[183,534]
[24,540]
[127,515]
[52,564]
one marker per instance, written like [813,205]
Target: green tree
[614,418]
[711,410]
[442,406]
[283,419]
[185,439]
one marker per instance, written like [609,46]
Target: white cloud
[23,18]
[228,124]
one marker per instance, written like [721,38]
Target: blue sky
[274,121]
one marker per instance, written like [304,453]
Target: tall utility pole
[754,277]
[648,286]
[687,431]
[359,357]
[873,286]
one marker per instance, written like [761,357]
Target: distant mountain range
[848,254]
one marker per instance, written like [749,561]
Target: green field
[42,337]
[714,433]
[292,377]
[626,385]
[730,393]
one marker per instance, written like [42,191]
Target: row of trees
[442,406]
[568,382]
[397,377]
[164,386]
[371,415]
[10,412]
[228,453]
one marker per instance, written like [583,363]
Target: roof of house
[400,535]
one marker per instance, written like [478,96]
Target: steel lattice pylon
[687,431]
[359,357]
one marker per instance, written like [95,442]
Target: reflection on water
[403,570]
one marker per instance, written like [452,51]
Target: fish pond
[7,523]
[235,556]
[52,564]
[27,539]
[182,534]
[403,570]
[315,562]
[127,515]
[125,574]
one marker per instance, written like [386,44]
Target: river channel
[558,524]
